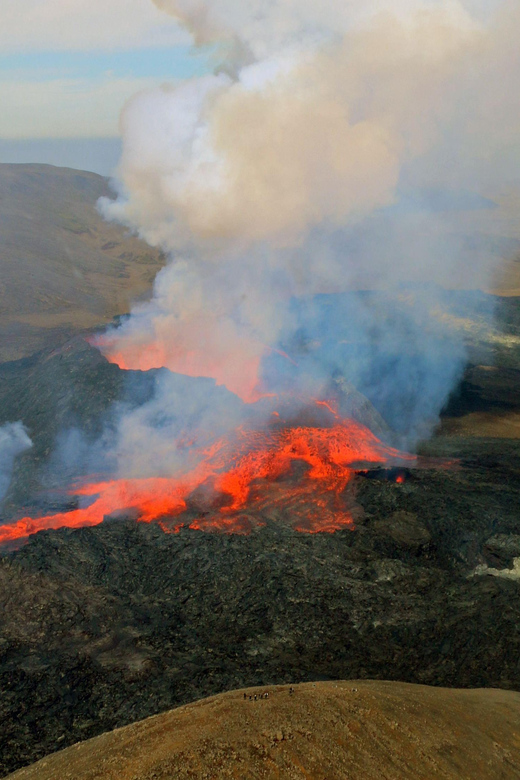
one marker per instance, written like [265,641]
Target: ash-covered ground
[104,626]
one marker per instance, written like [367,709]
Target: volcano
[303,463]
[120,621]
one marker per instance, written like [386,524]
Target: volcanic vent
[300,464]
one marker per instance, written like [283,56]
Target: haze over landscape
[259,385]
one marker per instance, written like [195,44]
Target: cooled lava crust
[103,626]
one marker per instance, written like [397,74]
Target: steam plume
[13,441]
[305,165]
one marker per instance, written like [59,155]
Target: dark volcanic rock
[485,388]
[354,405]
[100,627]
[57,389]
[405,530]
[502,549]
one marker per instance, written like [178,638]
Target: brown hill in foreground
[324,731]
[63,269]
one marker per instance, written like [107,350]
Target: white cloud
[64,108]
[82,25]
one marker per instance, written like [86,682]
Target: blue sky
[172,62]
[67,67]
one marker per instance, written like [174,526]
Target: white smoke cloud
[85,25]
[283,174]
[14,440]
[269,26]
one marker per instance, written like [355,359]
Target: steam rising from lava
[304,165]
[295,191]
[13,441]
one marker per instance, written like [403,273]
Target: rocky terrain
[321,731]
[103,626]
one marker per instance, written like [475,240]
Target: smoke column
[13,441]
[312,162]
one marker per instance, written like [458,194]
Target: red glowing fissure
[236,475]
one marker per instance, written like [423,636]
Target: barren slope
[62,267]
[324,731]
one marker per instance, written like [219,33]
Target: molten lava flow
[329,405]
[152,498]
[301,470]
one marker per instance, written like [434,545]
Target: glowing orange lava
[253,471]
[329,405]
[237,369]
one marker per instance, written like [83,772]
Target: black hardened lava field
[105,625]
